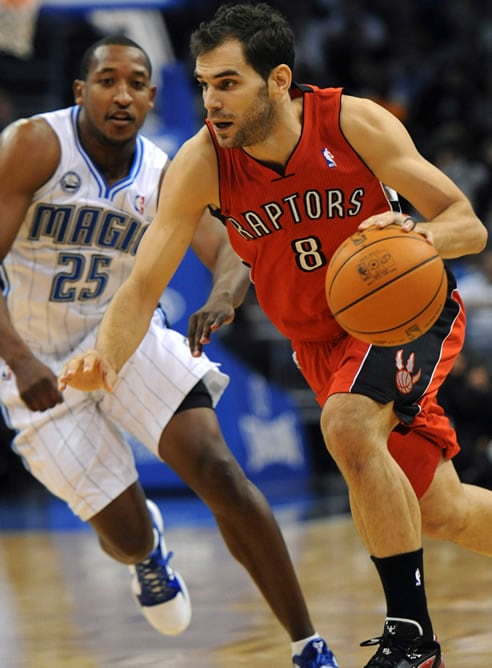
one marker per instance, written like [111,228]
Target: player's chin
[120,139]
[119,136]
[226,137]
[226,142]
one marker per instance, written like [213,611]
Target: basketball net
[17,26]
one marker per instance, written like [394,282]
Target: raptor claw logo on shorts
[405,376]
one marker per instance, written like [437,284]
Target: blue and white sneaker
[315,653]
[160,591]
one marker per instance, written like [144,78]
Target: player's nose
[122,95]
[211,100]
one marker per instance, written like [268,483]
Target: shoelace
[155,578]
[321,659]
[398,651]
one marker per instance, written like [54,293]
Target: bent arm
[384,144]
[230,282]
[25,142]
[230,277]
[33,143]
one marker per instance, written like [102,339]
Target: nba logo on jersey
[328,156]
[140,204]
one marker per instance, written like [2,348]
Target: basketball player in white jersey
[78,188]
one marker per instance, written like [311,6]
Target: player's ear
[152,94]
[281,78]
[78,91]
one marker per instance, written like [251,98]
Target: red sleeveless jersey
[286,227]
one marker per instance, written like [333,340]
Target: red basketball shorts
[409,375]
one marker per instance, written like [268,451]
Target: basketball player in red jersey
[71,224]
[292,170]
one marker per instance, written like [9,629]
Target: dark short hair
[266,36]
[109,40]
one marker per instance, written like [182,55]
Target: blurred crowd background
[428,61]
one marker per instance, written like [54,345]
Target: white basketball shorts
[78,449]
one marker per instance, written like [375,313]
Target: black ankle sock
[402,577]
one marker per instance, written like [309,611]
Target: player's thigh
[77,454]
[154,383]
[194,447]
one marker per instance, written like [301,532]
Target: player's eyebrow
[109,69]
[219,75]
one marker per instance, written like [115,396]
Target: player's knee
[343,438]
[128,547]
[126,537]
[223,484]
[333,427]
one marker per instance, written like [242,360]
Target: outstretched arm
[161,250]
[230,282]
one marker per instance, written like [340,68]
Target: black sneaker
[402,646]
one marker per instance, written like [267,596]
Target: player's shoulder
[362,117]
[363,109]
[31,142]
[198,151]
[32,137]
[34,128]
[354,104]
[194,169]
[201,140]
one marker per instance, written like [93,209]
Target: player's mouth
[121,118]
[219,122]
[221,127]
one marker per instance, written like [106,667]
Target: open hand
[206,320]
[87,372]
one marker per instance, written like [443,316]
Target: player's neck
[114,165]
[276,149]
[113,161]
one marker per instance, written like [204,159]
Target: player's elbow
[482,236]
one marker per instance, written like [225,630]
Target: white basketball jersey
[78,241]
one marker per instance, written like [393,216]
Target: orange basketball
[386,286]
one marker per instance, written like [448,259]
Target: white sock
[299,645]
